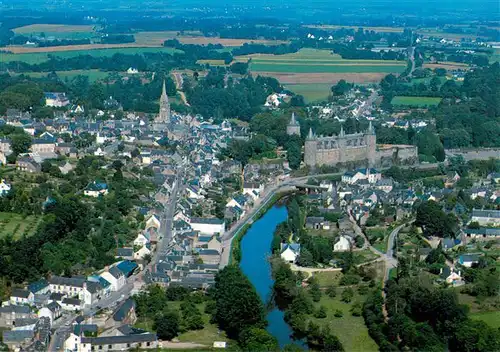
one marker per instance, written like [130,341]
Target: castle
[356,147]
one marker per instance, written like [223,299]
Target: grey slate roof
[110,340]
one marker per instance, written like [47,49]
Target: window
[100,347]
[148,344]
[110,347]
[128,345]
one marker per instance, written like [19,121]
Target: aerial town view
[253,176]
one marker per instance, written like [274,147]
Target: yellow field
[61,28]
[447,65]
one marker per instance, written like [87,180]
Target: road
[167,219]
[411,57]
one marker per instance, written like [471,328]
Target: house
[39,287]
[53,311]
[118,343]
[253,189]
[385,185]
[19,296]
[4,188]
[452,178]
[9,314]
[215,243]
[56,99]
[209,256]
[66,168]
[449,243]
[343,244]
[209,226]
[15,339]
[71,304]
[450,276]
[142,239]
[73,341]
[369,174]
[127,267]
[27,164]
[71,286]
[482,233]
[486,217]
[143,251]
[468,260]
[494,177]
[317,223]
[125,313]
[96,189]
[43,146]
[153,221]
[115,277]
[289,252]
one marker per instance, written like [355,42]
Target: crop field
[57,31]
[312,72]
[415,101]
[375,29]
[447,65]
[38,57]
[17,225]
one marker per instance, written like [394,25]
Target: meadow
[490,318]
[93,75]
[37,57]
[57,31]
[17,225]
[415,101]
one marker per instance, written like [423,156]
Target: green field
[35,58]
[50,31]
[17,225]
[350,330]
[312,92]
[415,101]
[490,318]
[341,67]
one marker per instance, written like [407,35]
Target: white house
[132,71]
[342,245]
[486,217]
[208,226]
[253,189]
[71,304]
[153,221]
[290,252]
[19,296]
[141,252]
[4,188]
[141,240]
[56,99]
[52,311]
[96,189]
[115,277]
[370,174]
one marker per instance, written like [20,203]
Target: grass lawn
[378,237]
[17,225]
[328,278]
[350,330]
[415,101]
[312,92]
[490,318]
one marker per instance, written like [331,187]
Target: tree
[294,152]
[473,336]
[341,88]
[320,313]
[331,291]
[20,143]
[257,339]
[315,291]
[167,326]
[237,304]
[347,295]
[434,221]
[360,241]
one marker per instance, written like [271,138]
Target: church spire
[164,114]
[310,135]
[370,128]
[293,121]
[342,133]
[164,91]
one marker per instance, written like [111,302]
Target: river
[255,250]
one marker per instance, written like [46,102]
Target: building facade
[354,147]
[293,127]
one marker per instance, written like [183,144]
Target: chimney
[441,270]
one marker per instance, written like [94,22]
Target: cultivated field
[447,65]
[415,101]
[194,37]
[319,69]
[17,225]
[93,75]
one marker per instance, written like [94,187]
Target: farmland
[93,75]
[318,69]
[415,101]
[17,225]
[37,57]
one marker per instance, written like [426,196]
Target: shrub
[338,313]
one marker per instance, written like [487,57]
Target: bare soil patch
[303,78]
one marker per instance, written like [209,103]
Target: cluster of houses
[39,305]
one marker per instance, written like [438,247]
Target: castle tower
[164,114]
[371,143]
[310,149]
[293,127]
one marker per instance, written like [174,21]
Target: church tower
[293,126]
[164,115]
[371,143]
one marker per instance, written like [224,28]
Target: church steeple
[371,130]
[310,135]
[342,133]
[164,114]
[293,126]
